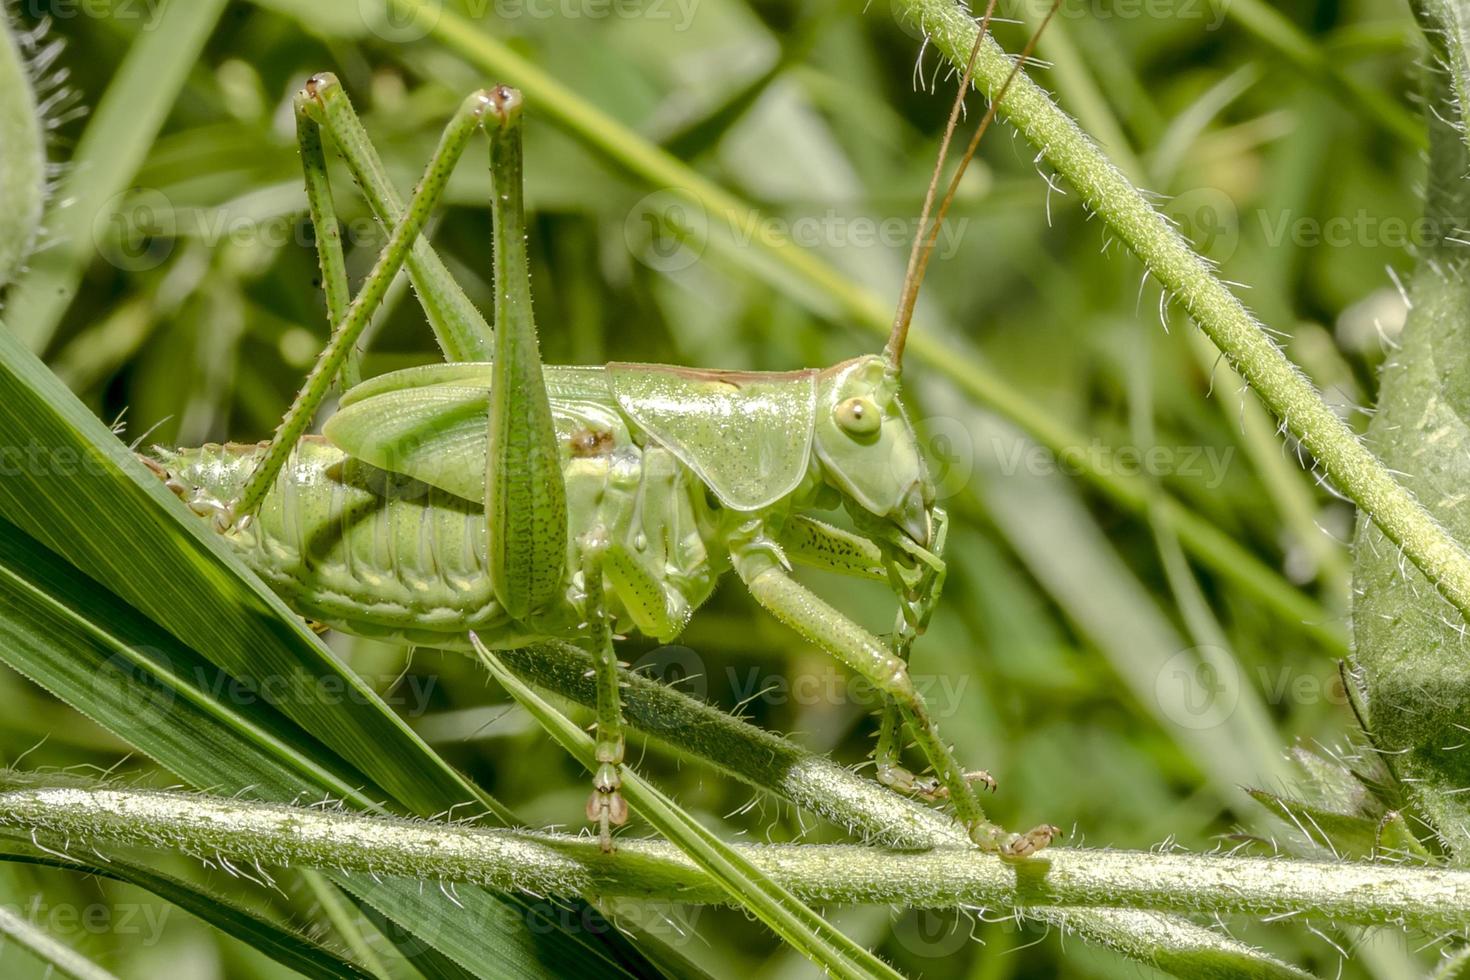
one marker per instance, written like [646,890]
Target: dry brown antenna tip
[928,233]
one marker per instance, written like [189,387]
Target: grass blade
[285,946]
[94,652]
[57,955]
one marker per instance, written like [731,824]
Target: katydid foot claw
[1024,845]
[226,521]
[927,788]
[1009,846]
[606,806]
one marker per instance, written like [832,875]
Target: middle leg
[606,806]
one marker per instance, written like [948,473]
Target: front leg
[525,501]
[758,563]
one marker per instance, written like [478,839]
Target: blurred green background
[1111,683]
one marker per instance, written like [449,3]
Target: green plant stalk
[1287,486]
[629,150]
[840,874]
[22,155]
[1169,943]
[1189,279]
[693,729]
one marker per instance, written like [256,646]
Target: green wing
[747,435]
[429,423]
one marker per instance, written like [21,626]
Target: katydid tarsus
[501,501]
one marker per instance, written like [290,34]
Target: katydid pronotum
[595,498]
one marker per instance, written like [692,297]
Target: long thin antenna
[928,234]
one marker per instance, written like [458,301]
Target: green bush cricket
[595,499]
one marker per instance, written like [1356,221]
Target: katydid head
[868,449]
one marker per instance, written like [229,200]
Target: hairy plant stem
[237,833]
[1190,281]
[22,153]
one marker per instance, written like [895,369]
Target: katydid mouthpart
[494,499]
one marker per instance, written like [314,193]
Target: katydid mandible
[494,500]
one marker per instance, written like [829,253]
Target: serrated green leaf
[1409,644]
[1343,834]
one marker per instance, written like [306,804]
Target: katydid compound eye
[859,416]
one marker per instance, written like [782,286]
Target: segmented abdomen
[383,555]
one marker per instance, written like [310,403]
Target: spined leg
[525,500]
[917,577]
[757,562]
[606,806]
[324,225]
[461,331]
[344,335]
